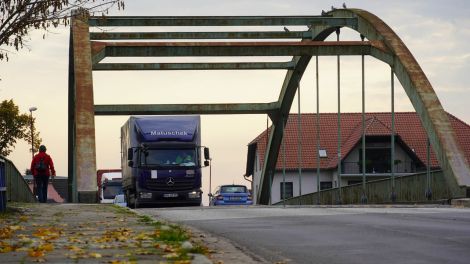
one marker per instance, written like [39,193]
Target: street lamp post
[31,109]
[210,175]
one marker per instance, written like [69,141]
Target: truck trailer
[161,161]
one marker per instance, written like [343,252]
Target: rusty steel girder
[201,49]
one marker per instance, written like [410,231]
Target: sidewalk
[91,233]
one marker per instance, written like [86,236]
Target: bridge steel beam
[193,66]
[201,35]
[423,98]
[82,153]
[202,21]
[187,109]
[208,49]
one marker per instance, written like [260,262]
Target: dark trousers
[42,183]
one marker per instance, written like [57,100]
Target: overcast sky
[436,32]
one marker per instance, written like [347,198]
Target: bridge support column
[82,154]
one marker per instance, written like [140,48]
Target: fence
[409,189]
[17,189]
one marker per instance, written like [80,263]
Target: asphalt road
[336,235]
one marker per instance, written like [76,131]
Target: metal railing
[17,189]
[409,189]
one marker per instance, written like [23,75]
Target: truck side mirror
[206,153]
[130,154]
[130,163]
[206,163]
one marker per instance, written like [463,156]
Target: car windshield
[168,157]
[110,191]
[233,189]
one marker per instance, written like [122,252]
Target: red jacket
[47,161]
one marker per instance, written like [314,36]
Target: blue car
[231,195]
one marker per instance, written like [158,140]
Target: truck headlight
[145,195]
[190,173]
[194,194]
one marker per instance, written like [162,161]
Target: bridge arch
[415,83]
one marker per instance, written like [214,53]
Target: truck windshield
[168,157]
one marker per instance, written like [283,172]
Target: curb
[463,202]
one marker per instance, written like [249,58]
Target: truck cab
[161,161]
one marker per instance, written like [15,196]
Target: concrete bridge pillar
[82,153]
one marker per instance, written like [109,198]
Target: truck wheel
[128,199]
[136,203]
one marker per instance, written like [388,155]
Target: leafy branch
[19,17]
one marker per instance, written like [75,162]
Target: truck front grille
[180,184]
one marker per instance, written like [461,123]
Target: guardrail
[409,189]
[17,189]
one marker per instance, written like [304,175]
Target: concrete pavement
[91,233]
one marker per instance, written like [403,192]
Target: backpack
[41,166]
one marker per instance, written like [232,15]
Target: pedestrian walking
[42,167]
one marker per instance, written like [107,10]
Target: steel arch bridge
[88,49]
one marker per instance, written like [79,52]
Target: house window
[324,185]
[377,160]
[289,190]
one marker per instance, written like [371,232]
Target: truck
[109,184]
[161,161]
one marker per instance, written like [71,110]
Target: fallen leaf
[16,227]
[5,233]
[95,255]
[169,249]
[74,248]
[47,234]
[142,236]
[182,262]
[5,247]
[171,255]
[47,247]
[35,253]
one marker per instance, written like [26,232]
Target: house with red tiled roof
[410,151]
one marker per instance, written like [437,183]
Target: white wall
[309,182]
